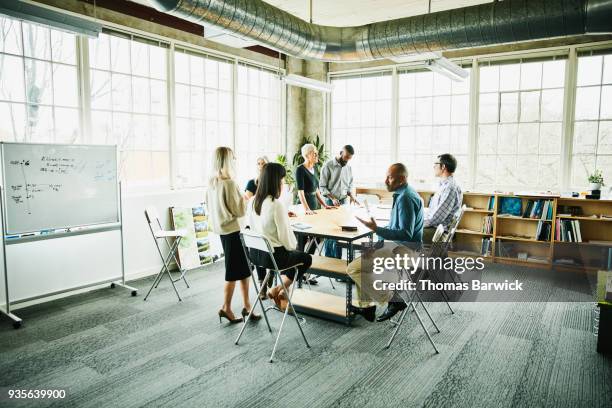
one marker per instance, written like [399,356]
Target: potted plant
[289,179]
[596,180]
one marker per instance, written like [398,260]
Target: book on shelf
[540,259]
[568,230]
[485,247]
[501,249]
[487,224]
[543,231]
[538,209]
[599,242]
[491,203]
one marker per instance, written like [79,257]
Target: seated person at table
[405,225]
[249,192]
[446,201]
[336,185]
[268,216]
[251,186]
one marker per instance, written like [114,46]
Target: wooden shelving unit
[519,234]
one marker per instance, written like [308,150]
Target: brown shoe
[274,295]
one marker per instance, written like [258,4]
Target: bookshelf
[590,247]
[474,236]
[514,238]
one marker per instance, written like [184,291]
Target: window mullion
[84,77]
[394,115]
[569,107]
[473,122]
[234,100]
[171,112]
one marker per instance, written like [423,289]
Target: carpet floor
[108,349]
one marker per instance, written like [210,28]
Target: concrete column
[296,108]
[314,123]
[305,108]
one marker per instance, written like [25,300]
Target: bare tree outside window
[38,84]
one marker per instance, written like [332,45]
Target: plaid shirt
[444,204]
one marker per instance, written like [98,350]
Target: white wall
[47,266]
[141,256]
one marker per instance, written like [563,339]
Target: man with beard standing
[336,185]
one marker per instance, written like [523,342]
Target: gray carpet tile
[107,348]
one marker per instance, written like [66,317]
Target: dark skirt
[284,259]
[311,199]
[236,266]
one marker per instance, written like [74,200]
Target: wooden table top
[328,223]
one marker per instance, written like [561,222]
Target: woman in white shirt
[269,217]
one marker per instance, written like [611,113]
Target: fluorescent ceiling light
[308,83]
[447,68]
[43,15]
[416,57]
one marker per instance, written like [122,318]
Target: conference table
[327,224]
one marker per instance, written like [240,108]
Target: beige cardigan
[225,206]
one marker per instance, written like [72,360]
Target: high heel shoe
[222,313]
[245,313]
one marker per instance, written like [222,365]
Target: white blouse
[272,223]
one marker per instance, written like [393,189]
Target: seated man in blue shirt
[405,225]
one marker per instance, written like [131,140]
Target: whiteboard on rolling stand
[54,186]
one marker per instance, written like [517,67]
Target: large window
[592,144]
[129,104]
[39,99]
[433,118]
[520,125]
[203,113]
[56,87]
[258,118]
[361,116]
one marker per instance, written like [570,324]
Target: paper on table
[301,225]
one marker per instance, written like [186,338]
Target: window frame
[569,100]
[84,68]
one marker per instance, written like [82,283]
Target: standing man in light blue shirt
[446,201]
[336,185]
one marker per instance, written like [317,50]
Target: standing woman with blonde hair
[225,206]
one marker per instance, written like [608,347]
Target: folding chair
[256,241]
[439,248]
[410,303]
[158,234]
[450,235]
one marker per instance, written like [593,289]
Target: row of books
[491,203]
[487,224]
[538,209]
[543,231]
[568,230]
[485,246]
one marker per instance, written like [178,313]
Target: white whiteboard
[52,186]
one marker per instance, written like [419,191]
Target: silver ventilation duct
[493,23]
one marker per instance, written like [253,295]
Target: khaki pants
[354,271]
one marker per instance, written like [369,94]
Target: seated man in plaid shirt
[446,201]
